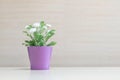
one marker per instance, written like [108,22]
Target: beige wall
[88,31]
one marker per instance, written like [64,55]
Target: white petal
[45,27]
[36,24]
[48,31]
[32,30]
[27,26]
[48,25]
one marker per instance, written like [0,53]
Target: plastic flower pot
[39,57]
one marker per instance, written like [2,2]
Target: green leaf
[42,23]
[39,39]
[41,43]
[29,35]
[30,42]
[49,35]
[36,35]
[30,26]
[52,43]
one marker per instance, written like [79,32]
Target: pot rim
[38,46]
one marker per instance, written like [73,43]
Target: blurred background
[87,31]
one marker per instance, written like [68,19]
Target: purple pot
[39,57]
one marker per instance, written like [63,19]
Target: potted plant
[39,49]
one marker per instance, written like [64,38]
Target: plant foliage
[39,34]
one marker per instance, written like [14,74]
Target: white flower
[27,26]
[37,24]
[48,25]
[48,31]
[32,30]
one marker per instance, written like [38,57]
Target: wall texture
[88,31]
